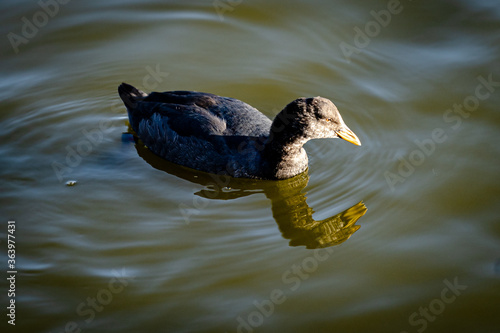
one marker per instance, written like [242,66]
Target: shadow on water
[288,202]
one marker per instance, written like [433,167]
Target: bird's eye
[329,119]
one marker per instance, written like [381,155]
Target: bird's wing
[191,113]
[182,119]
[239,117]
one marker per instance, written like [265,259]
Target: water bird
[225,136]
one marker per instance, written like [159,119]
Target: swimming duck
[226,136]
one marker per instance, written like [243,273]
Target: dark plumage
[223,135]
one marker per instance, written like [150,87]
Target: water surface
[398,235]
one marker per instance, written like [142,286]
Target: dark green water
[401,234]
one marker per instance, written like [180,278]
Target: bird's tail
[130,95]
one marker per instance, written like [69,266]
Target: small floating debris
[71,183]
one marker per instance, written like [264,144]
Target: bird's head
[313,118]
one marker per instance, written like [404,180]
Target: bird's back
[198,130]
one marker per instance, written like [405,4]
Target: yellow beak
[349,136]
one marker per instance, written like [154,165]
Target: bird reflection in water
[288,202]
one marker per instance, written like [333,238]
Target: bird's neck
[283,151]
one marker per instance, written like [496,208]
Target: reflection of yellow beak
[349,136]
